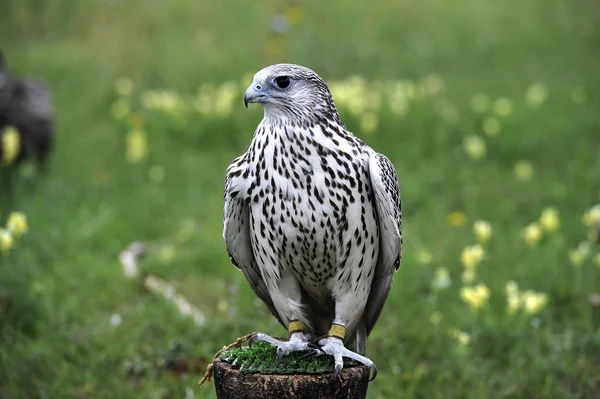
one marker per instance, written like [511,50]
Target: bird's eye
[282,82]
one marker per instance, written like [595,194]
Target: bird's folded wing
[386,194]
[236,232]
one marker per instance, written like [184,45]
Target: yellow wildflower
[356,100]
[482,291]
[523,170]
[224,98]
[461,337]
[6,240]
[457,219]
[511,288]
[425,257]
[471,256]
[584,248]
[156,174]
[533,301]
[17,224]
[536,94]
[295,15]
[167,253]
[592,216]
[491,126]
[468,275]
[532,234]
[11,144]
[369,122]
[170,101]
[549,219]
[476,297]
[435,318]
[482,230]
[223,306]
[162,100]
[503,106]
[203,102]
[124,86]
[409,88]
[578,95]
[578,255]
[480,103]
[467,259]
[475,146]
[137,146]
[441,279]
[477,252]
[514,303]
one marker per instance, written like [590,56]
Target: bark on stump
[351,383]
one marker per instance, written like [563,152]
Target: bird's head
[290,92]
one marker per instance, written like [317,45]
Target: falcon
[312,217]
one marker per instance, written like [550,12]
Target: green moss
[262,358]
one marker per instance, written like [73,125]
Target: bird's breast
[307,202]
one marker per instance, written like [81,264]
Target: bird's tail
[357,341]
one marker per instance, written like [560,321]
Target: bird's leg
[334,345]
[299,340]
[287,299]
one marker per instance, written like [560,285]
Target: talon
[252,340]
[297,342]
[373,371]
[280,354]
[333,346]
[311,352]
[338,368]
[313,346]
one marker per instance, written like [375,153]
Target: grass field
[489,110]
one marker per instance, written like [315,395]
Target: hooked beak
[255,94]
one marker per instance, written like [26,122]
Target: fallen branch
[129,258]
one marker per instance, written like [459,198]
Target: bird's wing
[386,195]
[236,232]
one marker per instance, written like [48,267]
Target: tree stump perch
[351,383]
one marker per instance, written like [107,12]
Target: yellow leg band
[338,331]
[296,326]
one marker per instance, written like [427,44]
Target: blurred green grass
[64,280]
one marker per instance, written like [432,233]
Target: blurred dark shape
[26,105]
